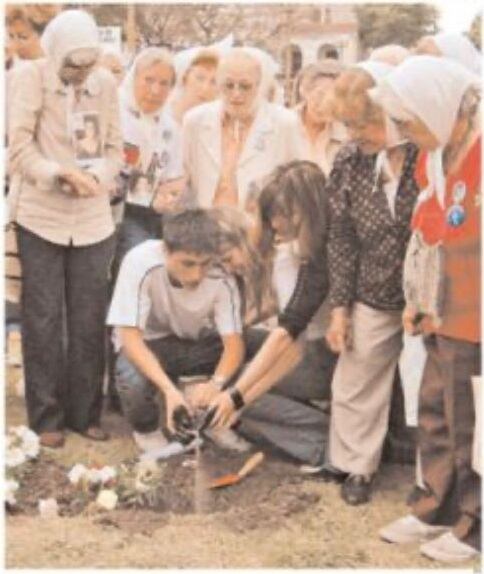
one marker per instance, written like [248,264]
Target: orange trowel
[230,479]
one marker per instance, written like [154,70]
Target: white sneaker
[410,529]
[448,548]
[148,441]
[228,439]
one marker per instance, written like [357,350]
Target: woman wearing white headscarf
[152,148]
[196,84]
[435,104]
[454,46]
[230,144]
[65,226]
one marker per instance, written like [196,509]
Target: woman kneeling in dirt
[292,210]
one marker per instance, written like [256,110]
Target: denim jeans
[64,302]
[178,357]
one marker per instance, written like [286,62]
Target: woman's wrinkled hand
[339,335]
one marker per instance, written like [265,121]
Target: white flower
[107,499]
[11,486]
[31,446]
[48,508]
[14,457]
[107,473]
[77,472]
[94,475]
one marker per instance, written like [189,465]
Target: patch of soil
[273,492]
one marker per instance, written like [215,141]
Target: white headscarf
[70,31]
[460,48]
[430,88]
[379,70]
[269,68]
[127,85]
[184,59]
[392,54]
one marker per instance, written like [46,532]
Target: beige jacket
[274,139]
[39,145]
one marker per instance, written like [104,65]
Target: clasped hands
[73,180]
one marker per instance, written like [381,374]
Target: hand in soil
[175,403]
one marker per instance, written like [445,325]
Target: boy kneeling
[174,315]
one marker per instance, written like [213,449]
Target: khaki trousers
[362,390]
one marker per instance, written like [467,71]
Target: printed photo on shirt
[87,137]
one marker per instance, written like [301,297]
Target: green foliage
[403,24]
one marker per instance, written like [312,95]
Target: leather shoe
[356,489]
[325,472]
[52,439]
[95,433]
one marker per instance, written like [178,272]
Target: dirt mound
[272,492]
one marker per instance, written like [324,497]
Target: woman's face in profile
[285,226]
[417,132]
[235,261]
[368,132]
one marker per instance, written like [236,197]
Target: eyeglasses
[244,87]
[79,67]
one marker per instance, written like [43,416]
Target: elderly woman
[152,148]
[65,228]
[451,45]
[230,144]
[195,72]
[435,104]
[372,193]
[322,136]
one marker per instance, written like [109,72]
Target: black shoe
[356,489]
[325,472]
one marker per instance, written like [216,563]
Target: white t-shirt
[284,278]
[145,298]
[158,140]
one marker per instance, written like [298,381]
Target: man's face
[239,84]
[187,269]
[152,84]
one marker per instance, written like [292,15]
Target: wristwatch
[237,398]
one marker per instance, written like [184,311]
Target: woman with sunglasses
[230,144]
[65,228]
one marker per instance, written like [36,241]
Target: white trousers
[362,390]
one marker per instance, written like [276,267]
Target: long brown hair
[235,231]
[297,185]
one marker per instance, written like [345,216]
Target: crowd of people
[222,257]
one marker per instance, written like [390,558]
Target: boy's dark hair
[192,231]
